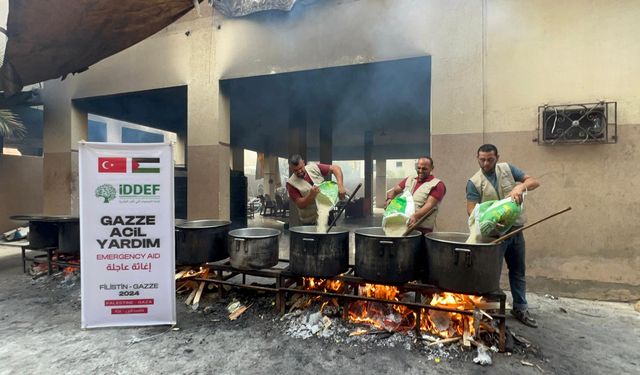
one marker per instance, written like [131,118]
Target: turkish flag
[112,165]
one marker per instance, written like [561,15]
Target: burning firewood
[185,283]
[466,334]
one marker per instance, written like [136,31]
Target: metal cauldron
[253,248]
[42,234]
[387,260]
[318,254]
[201,241]
[69,235]
[461,267]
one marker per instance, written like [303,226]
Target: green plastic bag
[397,214]
[328,195]
[487,215]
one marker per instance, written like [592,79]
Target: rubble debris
[358,332]
[445,341]
[208,310]
[525,363]
[520,340]
[236,308]
[233,305]
[239,311]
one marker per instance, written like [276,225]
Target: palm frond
[10,125]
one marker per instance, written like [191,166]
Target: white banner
[127,260]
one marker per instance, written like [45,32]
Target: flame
[324,285]
[390,317]
[379,314]
[448,324]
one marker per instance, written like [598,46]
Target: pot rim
[413,234]
[193,224]
[45,218]
[274,232]
[429,236]
[312,229]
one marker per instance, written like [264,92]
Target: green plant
[10,125]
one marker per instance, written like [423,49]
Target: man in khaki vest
[497,181]
[302,186]
[427,192]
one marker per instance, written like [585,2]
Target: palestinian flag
[145,165]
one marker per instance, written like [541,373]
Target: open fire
[399,318]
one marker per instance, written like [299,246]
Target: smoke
[337,62]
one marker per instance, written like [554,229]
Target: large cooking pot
[318,254]
[387,260]
[253,248]
[59,231]
[69,236]
[42,234]
[460,267]
[201,241]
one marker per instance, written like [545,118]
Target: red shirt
[437,192]
[294,193]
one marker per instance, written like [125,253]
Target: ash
[305,324]
[311,323]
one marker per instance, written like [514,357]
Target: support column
[64,125]
[326,135]
[270,175]
[297,143]
[237,159]
[208,129]
[114,131]
[381,182]
[368,172]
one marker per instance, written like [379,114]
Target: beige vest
[309,214]
[420,198]
[505,182]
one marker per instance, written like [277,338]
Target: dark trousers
[515,257]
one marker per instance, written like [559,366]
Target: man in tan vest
[427,192]
[497,181]
[302,186]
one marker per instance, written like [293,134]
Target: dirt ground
[40,331]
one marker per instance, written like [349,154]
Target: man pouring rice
[303,188]
[498,181]
[427,191]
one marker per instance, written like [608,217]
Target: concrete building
[486,67]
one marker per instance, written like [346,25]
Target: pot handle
[309,243]
[456,255]
[383,245]
[239,241]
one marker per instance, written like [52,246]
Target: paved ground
[40,331]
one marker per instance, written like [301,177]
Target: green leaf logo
[107,192]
